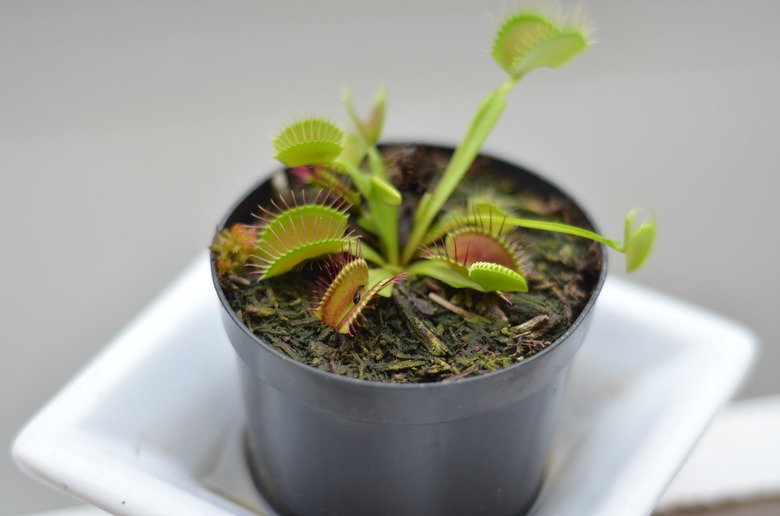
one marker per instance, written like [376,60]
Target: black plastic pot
[319,443]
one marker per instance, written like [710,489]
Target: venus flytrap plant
[483,265]
[525,41]
[295,233]
[346,290]
[478,248]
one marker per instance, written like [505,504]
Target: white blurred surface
[736,460]
[154,425]
[126,129]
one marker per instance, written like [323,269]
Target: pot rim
[347,381]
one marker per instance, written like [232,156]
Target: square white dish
[154,424]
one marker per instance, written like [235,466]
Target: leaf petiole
[481,125]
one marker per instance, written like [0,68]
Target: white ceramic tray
[154,425]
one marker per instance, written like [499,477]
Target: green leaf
[486,117]
[494,277]
[517,35]
[366,221]
[309,141]
[385,218]
[553,52]
[481,212]
[298,233]
[344,292]
[385,192]
[371,255]
[482,206]
[639,242]
[349,291]
[379,275]
[370,128]
[354,150]
[529,40]
[293,257]
[453,276]
[556,227]
[362,182]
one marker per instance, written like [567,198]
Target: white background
[127,128]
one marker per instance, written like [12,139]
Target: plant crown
[476,249]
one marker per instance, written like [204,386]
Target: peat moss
[402,338]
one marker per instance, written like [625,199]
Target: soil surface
[480,332]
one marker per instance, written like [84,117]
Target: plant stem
[387,227]
[481,125]
[557,227]
[386,215]
[361,181]
[377,163]
[553,227]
